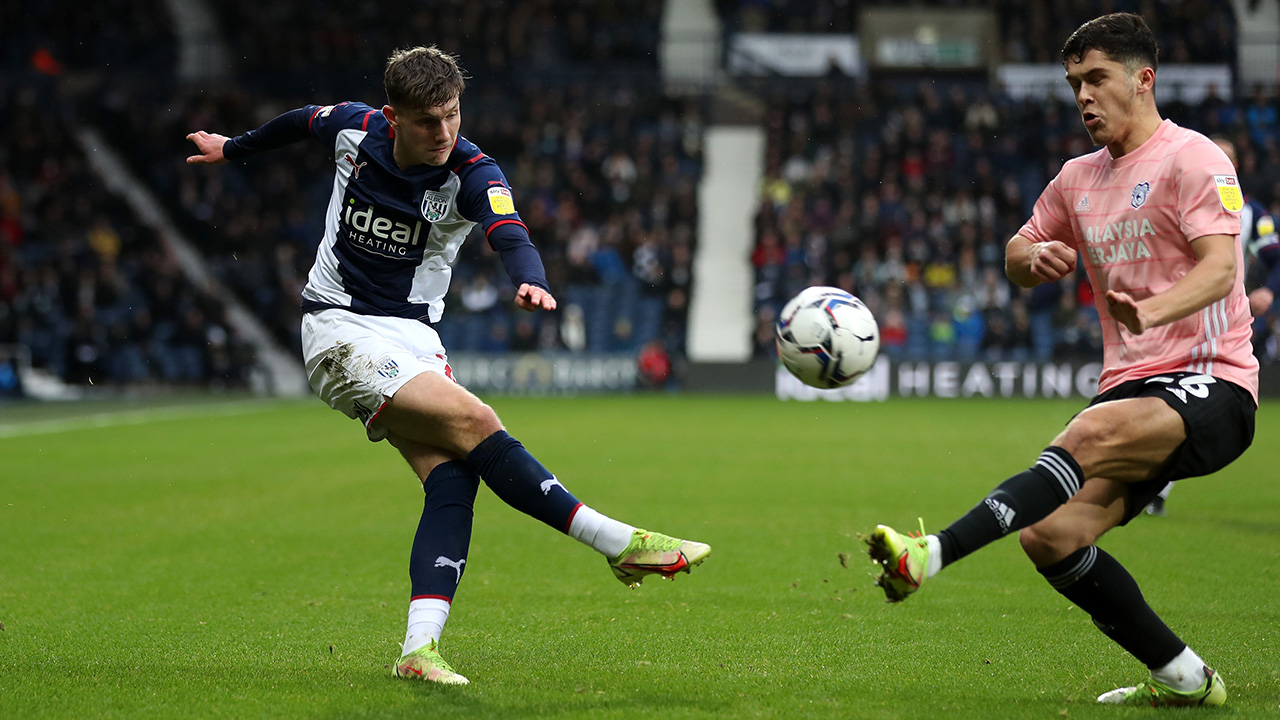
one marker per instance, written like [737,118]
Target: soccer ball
[827,338]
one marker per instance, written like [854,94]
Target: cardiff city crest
[1139,195]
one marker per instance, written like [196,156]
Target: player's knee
[1085,437]
[1046,542]
[479,422]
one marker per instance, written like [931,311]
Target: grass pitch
[250,560]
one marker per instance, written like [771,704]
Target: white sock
[1184,673]
[935,556]
[427,617]
[600,532]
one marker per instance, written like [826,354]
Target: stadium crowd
[905,197]
[604,165]
[1189,31]
[903,194]
[88,292]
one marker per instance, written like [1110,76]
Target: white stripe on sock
[1073,478]
[1069,577]
[1060,470]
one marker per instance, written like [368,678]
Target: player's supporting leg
[436,562]
[1063,550]
[434,410]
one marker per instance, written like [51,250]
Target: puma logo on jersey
[443,561]
[352,163]
[548,484]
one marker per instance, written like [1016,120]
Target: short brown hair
[1122,37]
[422,77]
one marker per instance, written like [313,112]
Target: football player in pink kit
[1154,216]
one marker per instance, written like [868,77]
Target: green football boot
[1156,694]
[651,553]
[426,664]
[903,560]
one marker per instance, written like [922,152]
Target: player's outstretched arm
[531,297]
[209,146]
[1212,279]
[1028,264]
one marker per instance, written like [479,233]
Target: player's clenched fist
[1051,260]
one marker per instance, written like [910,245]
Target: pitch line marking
[132,417]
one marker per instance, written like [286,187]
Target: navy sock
[521,481]
[1100,586]
[1020,501]
[444,533]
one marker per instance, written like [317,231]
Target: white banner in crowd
[1187,83]
[794,55]
[953,380]
[533,373]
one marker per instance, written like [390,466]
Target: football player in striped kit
[407,191]
[1155,215]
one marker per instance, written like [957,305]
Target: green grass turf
[250,561]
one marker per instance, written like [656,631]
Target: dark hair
[1122,37]
[422,77]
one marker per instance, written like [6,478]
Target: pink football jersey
[1132,219]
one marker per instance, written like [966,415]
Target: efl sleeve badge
[1229,192]
[500,201]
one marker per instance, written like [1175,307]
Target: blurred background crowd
[900,190]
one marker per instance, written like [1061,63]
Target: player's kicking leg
[432,409]
[524,484]
[1028,497]
[650,553]
[904,560]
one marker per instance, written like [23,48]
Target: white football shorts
[357,362]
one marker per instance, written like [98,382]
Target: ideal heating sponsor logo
[377,234]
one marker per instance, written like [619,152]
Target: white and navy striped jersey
[391,236]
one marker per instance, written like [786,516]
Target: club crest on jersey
[389,369]
[434,205]
[1229,192]
[1139,194]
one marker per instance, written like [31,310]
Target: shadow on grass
[477,701]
